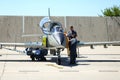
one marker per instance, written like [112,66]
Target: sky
[57,7]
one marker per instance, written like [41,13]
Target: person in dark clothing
[72,48]
[72,34]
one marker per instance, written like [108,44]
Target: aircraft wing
[28,44]
[91,44]
[32,35]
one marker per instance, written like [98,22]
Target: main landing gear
[37,54]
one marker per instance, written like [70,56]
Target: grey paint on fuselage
[56,38]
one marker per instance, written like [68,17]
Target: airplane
[53,39]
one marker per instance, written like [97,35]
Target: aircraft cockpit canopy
[57,29]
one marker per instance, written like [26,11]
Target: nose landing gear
[59,56]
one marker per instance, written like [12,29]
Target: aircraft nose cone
[60,38]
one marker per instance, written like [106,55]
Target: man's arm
[69,34]
[73,41]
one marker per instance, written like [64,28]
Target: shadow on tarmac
[98,60]
[64,61]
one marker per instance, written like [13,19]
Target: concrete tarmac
[92,64]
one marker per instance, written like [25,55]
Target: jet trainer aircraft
[53,39]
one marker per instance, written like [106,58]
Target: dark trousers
[73,56]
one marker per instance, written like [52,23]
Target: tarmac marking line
[29,71]
[56,66]
[69,70]
[108,71]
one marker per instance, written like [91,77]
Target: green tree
[113,11]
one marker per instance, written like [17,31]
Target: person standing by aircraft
[72,48]
[72,34]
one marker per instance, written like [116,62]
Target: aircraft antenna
[49,13]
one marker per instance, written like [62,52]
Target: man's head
[71,28]
[74,34]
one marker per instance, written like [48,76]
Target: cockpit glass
[57,29]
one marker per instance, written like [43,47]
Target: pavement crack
[3,71]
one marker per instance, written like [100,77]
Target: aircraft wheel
[32,57]
[43,59]
[59,61]
[59,57]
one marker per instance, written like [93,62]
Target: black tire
[32,57]
[43,59]
[59,61]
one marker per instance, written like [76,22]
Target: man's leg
[72,58]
